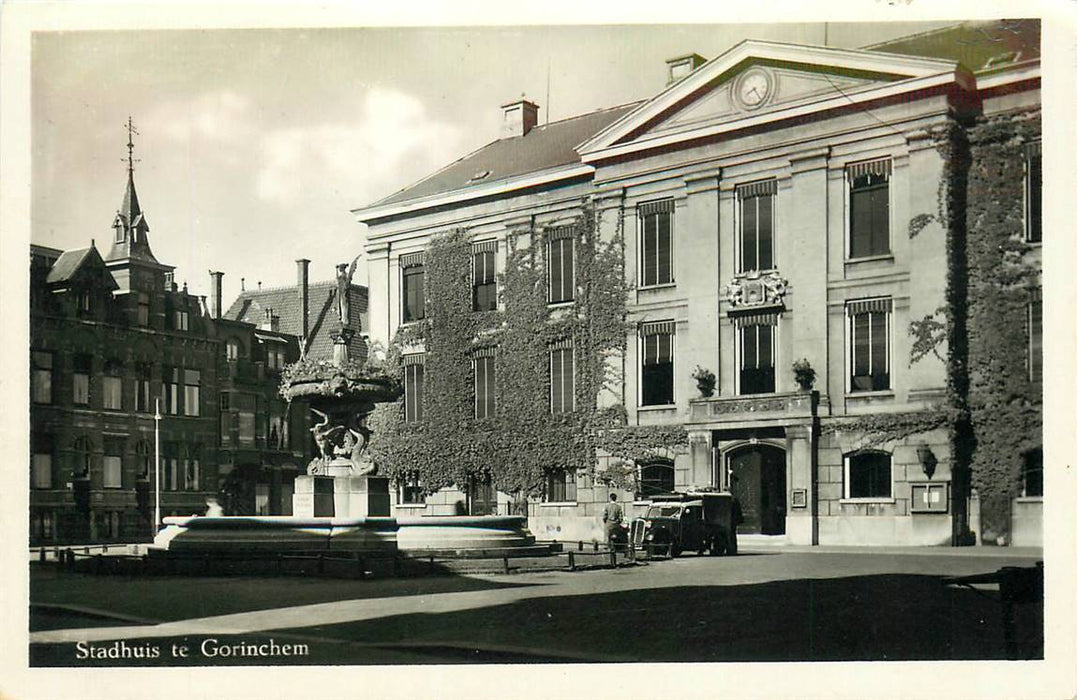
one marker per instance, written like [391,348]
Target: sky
[254,145]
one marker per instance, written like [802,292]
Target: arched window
[868,475]
[83,452]
[655,477]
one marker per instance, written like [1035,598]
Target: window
[170,469]
[225,400]
[231,350]
[81,380]
[246,428]
[656,243]
[1033,193]
[143,458]
[413,388]
[41,376]
[483,277]
[869,208]
[413,278]
[180,320]
[171,388]
[82,301]
[756,348]
[192,392]
[757,225]
[560,265]
[275,358]
[41,463]
[485,384]
[656,376]
[143,309]
[1035,339]
[411,489]
[867,475]
[112,386]
[261,499]
[192,468]
[113,463]
[1032,473]
[83,454]
[561,486]
[655,478]
[869,344]
[143,372]
[562,378]
[41,525]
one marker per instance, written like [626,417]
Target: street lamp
[156,464]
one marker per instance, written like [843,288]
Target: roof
[135,244]
[68,264]
[978,46]
[543,147]
[251,306]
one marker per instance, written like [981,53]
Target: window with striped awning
[863,306]
[656,242]
[414,379]
[485,381]
[413,259]
[869,343]
[560,264]
[1035,336]
[560,232]
[764,318]
[657,328]
[869,208]
[483,276]
[756,225]
[562,376]
[880,167]
[757,189]
[656,359]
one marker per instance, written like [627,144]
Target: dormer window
[82,301]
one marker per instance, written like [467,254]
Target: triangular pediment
[758,81]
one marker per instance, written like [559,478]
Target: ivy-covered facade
[625,315]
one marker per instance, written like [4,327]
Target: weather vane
[131,160]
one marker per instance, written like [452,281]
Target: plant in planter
[804,374]
[705,380]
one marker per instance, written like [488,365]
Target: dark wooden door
[757,481]
[481,496]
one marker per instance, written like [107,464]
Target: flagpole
[156,464]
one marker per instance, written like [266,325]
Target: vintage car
[688,522]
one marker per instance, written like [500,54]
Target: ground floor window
[1032,473]
[655,478]
[868,475]
[41,525]
[411,490]
[261,499]
[561,486]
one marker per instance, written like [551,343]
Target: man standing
[612,515]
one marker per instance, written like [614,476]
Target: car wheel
[718,545]
[674,550]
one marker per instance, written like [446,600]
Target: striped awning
[657,328]
[759,318]
[415,358]
[757,189]
[881,167]
[559,232]
[487,351]
[1034,148]
[563,344]
[656,207]
[484,247]
[413,259]
[864,306]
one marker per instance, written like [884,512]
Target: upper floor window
[180,319]
[231,350]
[143,372]
[171,389]
[561,265]
[483,276]
[756,350]
[562,378]
[413,387]
[41,376]
[143,309]
[1035,339]
[867,475]
[869,344]
[83,454]
[485,383]
[80,392]
[192,392]
[1034,192]
[756,201]
[656,355]
[656,242]
[143,458]
[113,463]
[41,462]
[275,358]
[561,486]
[413,279]
[112,386]
[83,301]
[192,468]
[869,208]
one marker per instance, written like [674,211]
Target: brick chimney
[518,118]
[302,283]
[271,322]
[681,66]
[215,293]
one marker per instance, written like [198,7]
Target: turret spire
[130,224]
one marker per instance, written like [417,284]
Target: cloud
[393,141]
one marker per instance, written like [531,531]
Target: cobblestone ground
[759,606]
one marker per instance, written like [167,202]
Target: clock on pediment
[753,88]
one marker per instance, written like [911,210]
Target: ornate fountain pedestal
[340,496]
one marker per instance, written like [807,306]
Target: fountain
[341,504]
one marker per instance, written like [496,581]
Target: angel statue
[345,273]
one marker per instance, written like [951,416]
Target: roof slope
[976,45]
[544,147]
[251,306]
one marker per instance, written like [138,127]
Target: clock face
[753,88]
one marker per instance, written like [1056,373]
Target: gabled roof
[72,261]
[884,70]
[135,244]
[979,46]
[545,147]
[251,306]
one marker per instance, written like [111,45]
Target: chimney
[303,266]
[682,66]
[215,293]
[271,321]
[518,118]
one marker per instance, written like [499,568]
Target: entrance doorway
[481,496]
[757,480]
